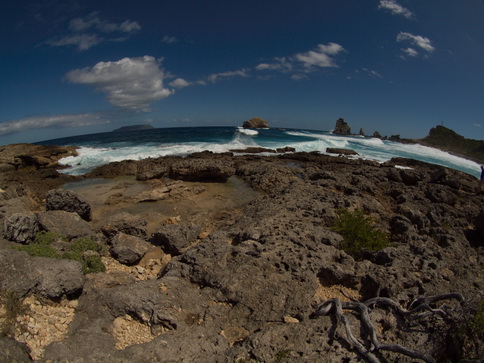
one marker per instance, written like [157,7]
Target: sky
[71,67]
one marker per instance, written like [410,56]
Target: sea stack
[341,127]
[255,123]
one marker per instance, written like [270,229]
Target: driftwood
[419,309]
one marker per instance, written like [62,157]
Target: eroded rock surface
[225,284]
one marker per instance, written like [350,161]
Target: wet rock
[339,151]
[128,249]
[68,201]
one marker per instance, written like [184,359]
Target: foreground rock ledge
[241,282]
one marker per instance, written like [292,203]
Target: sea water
[102,148]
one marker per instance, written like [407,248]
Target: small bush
[91,264]
[41,248]
[84,244]
[358,233]
[46,238]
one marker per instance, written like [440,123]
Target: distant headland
[439,137]
[133,128]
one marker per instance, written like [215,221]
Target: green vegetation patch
[13,307]
[359,233]
[41,247]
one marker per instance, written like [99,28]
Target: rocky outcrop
[128,249]
[245,281]
[339,151]
[48,277]
[341,127]
[255,123]
[68,201]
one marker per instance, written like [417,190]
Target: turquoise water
[102,148]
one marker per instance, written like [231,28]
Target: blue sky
[397,66]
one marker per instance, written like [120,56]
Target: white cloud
[169,39]
[91,30]
[372,72]
[130,83]
[58,121]
[416,41]
[322,56]
[395,8]
[81,41]
[216,77]
[179,83]
[306,62]
[477,125]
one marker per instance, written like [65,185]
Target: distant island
[134,128]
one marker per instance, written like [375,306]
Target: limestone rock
[68,201]
[128,249]
[255,123]
[13,351]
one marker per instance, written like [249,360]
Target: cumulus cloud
[58,121]
[91,30]
[323,56]
[417,41]
[395,8]
[130,83]
[179,83]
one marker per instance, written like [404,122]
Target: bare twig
[419,309]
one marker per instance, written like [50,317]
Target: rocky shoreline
[225,258]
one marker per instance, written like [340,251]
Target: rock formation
[246,265]
[341,127]
[255,123]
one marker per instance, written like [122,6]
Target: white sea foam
[367,148]
[248,132]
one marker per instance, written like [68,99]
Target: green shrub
[41,248]
[91,264]
[84,244]
[358,233]
[46,238]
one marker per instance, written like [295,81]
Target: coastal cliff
[225,258]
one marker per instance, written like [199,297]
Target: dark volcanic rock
[21,227]
[69,225]
[174,238]
[68,201]
[341,127]
[332,150]
[128,249]
[13,351]
[48,277]
[202,169]
[124,223]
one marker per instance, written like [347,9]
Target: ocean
[102,148]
